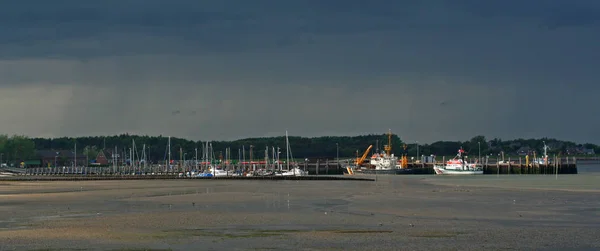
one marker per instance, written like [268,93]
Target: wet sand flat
[394,213]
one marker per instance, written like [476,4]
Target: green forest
[18,147]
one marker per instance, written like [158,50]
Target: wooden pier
[325,167]
[518,166]
[72,177]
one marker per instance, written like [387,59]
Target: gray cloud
[428,70]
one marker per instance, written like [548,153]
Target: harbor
[208,162]
[316,168]
[299,125]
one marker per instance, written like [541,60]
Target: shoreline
[395,211]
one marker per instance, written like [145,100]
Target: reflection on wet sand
[394,213]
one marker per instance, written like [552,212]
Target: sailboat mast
[212,157]
[278,160]
[287,151]
[133,154]
[169,150]
[181,161]
[204,147]
[115,160]
[144,155]
[207,153]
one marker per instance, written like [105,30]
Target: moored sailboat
[295,171]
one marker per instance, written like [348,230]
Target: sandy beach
[394,213]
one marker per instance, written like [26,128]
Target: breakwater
[427,168]
[167,177]
[319,167]
[516,166]
[325,167]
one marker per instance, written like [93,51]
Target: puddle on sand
[11,224]
[243,231]
[328,203]
[63,216]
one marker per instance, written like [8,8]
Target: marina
[319,167]
[274,163]
[173,177]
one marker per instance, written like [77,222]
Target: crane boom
[360,160]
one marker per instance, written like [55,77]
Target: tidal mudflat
[394,213]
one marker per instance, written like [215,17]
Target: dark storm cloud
[444,69]
[551,13]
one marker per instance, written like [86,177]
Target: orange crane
[404,160]
[360,160]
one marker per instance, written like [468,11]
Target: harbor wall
[511,168]
[319,167]
[566,165]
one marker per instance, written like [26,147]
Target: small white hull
[293,172]
[444,171]
[220,173]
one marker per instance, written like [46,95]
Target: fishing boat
[458,166]
[381,163]
[543,160]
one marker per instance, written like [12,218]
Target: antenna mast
[388,147]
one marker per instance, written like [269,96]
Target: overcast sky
[228,69]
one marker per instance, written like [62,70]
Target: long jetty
[519,166]
[319,167]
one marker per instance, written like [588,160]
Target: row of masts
[208,158]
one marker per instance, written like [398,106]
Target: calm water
[588,168]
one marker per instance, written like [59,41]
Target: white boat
[293,172]
[543,160]
[381,163]
[385,160]
[218,172]
[445,171]
[458,166]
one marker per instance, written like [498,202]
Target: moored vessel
[458,166]
[381,163]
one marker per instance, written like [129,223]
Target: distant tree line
[18,148]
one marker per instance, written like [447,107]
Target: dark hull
[386,172]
